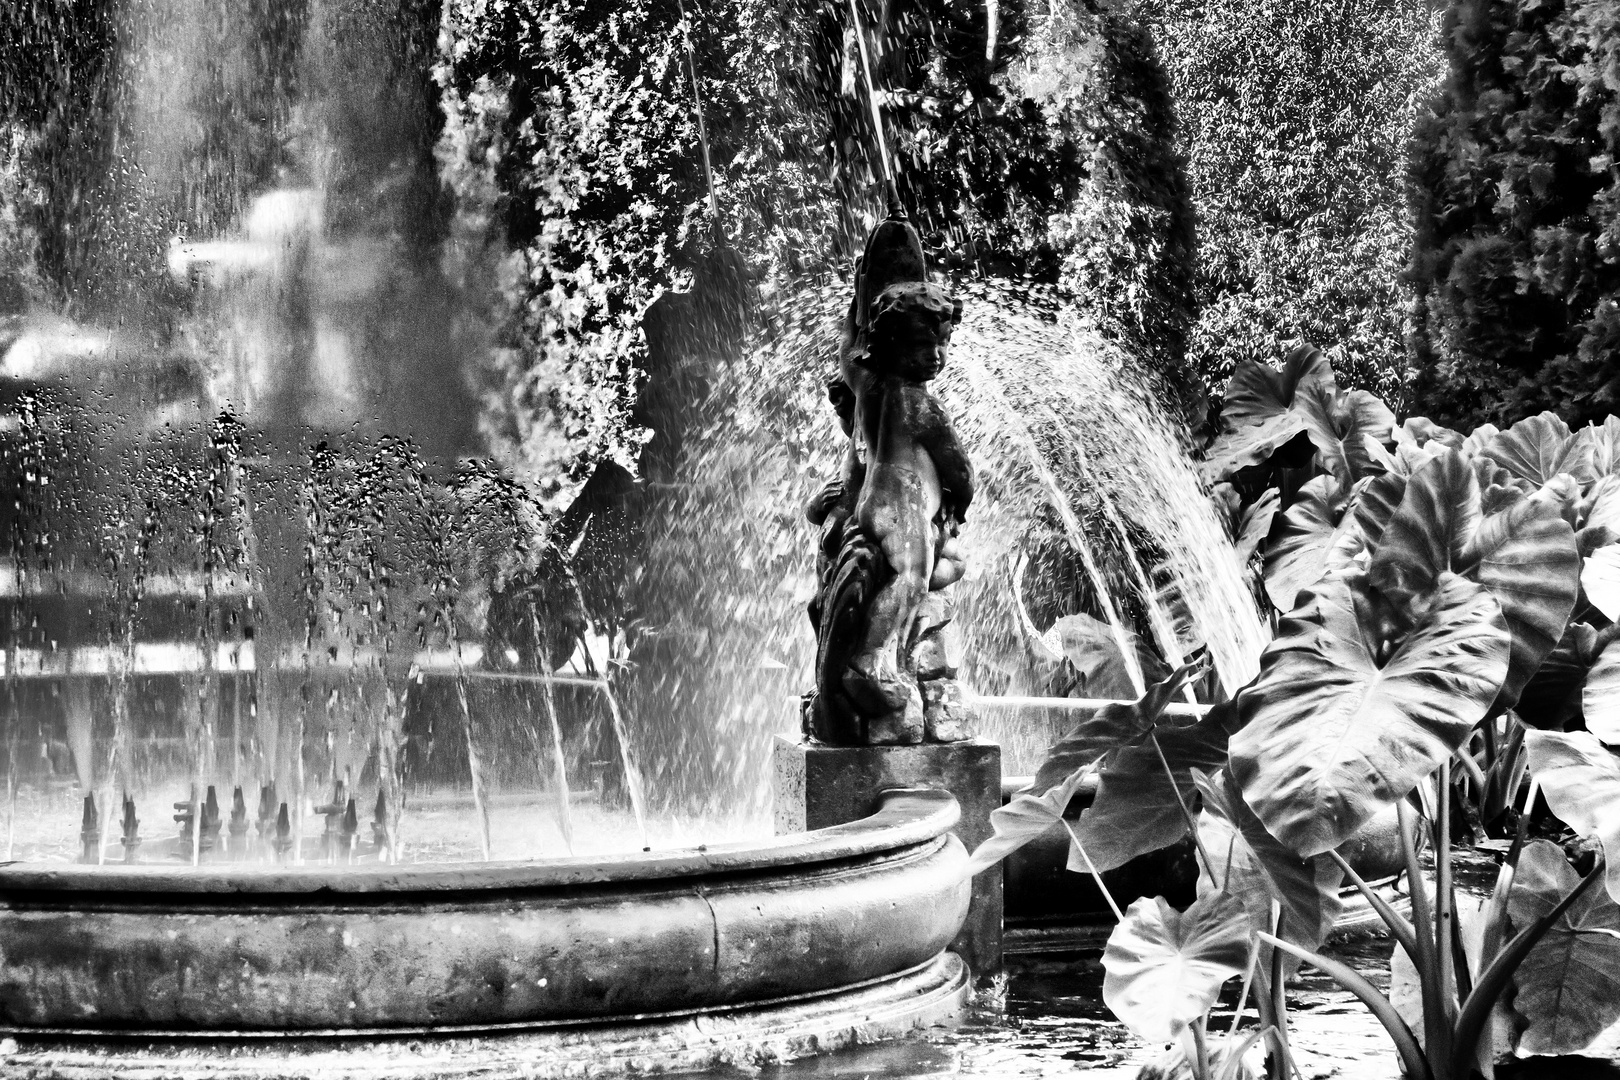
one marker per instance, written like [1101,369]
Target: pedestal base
[819,786]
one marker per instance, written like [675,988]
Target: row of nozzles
[200,841]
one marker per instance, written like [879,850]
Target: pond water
[1045,1018]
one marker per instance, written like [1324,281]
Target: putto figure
[887,652]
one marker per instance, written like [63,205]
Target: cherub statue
[890,519]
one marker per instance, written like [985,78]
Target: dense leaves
[1297,118]
[1518,203]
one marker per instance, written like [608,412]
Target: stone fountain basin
[463,948]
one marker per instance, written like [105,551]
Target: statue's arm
[935,434]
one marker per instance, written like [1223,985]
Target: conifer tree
[1517,204]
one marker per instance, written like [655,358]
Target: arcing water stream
[240,554]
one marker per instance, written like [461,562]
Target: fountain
[315,761]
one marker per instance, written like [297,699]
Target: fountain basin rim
[904,817]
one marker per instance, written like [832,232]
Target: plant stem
[1186,814]
[1423,927]
[1200,1048]
[1119,916]
[1243,997]
[1399,928]
[1443,901]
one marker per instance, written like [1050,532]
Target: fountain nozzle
[90,832]
[379,823]
[239,825]
[346,832]
[131,838]
[284,840]
[210,824]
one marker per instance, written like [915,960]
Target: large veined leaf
[1163,969]
[1605,439]
[1260,413]
[1109,728]
[1581,782]
[1025,817]
[1137,808]
[1255,525]
[1339,424]
[1331,732]
[1420,431]
[1257,392]
[1555,693]
[1600,577]
[1538,448]
[1600,697]
[1524,554]
[1375,503]
[1233,451]
[1437,517]
[1567,990]
[1600,514]
[1315,537]
[1092,647]
[1497,487]
[1253,865]
[1479,438]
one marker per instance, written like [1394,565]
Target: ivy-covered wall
[1517,204]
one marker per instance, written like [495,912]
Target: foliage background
[1517,201]
[1296,118]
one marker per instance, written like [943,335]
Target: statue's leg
[877,679]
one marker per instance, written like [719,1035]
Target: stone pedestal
[819,786]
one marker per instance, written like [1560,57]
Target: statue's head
[910,329]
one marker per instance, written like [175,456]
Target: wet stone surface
[1045,1018]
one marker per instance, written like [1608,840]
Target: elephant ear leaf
[1253,865]
[1524,553]
[1340,425]
[1163,969]
[1257,392]
[1260,413]
[1109,728]
[1253,444]
[1581,782]
[1600,696]
[1315,538]
[1605,439]
[1343,720]
[1024,818]
[1600,577]
[1568,987]
[1438,515]
[1526,556]
[1538,448]
[1138,807]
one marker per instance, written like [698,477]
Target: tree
[1517,205]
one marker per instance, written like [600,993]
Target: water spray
[891,191]
[703,130]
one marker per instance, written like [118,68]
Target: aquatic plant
[1449,606]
